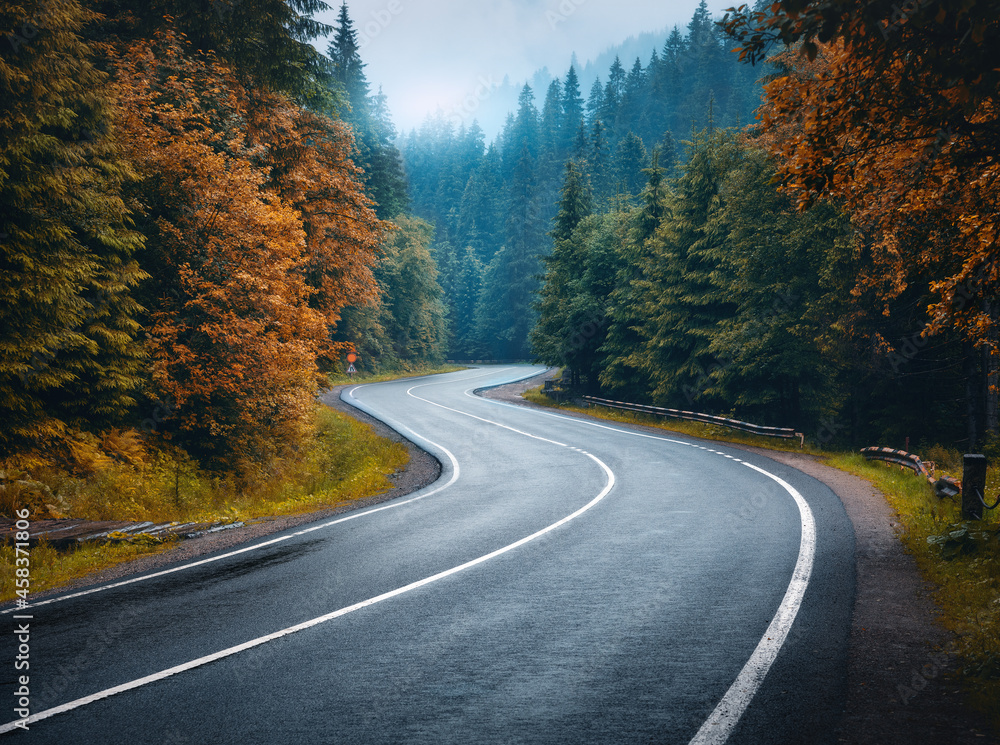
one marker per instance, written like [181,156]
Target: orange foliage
[907,159]
[258,234]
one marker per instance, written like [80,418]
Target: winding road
[564,581]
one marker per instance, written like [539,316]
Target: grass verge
[680,426]
[961,559]
[344,461]
[359,378]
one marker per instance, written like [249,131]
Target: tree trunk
[991,392]
[972,394]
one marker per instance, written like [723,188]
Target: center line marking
[201,661]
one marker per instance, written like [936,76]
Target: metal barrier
[943,487]
[756,429]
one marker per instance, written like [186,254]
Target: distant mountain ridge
[492,109]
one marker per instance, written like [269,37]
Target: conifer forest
[786,214]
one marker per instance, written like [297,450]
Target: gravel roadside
[898,655]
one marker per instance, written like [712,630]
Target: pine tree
[785,349]
[687,297]
[505,314]
[624,370]
[613,92]
[524,132]
[572,112]
[349,70]
[69,352]
[267,42]
[551,120]
[416,324]
[554,339]
[628,165]
[599,163]
[467,286]
[482,210]
[384,176]
[632,101]
[595,103]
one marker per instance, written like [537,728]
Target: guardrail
[943,487]
[693,416]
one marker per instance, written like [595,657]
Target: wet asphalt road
[563,582]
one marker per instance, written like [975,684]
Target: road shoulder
[422,470]
[898,653]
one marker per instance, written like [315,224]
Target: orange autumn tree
[307,161]
[896,117]
[892,111]
[255,240]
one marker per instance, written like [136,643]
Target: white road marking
[257,546]
[720,724]
[201,661]
[727,713]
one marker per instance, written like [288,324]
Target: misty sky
[449,53]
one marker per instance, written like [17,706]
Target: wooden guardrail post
[973,486]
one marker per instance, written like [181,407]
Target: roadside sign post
[351,359]
[973,486]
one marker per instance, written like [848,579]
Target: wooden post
[973,486]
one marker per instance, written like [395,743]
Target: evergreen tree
[633,101]
[624,370]
[551,121]
[599,162]
[572,113]
[385,180]
[481,216]
[523,132]
[613,92]
[505,312]
[595,103]
[69,352]
[629,162]
[555,339]
[467,286]
[349,70]
[416,321]
[786,354]
[668,153]
[686,296]
[267,42]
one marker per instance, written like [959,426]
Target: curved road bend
[565,581]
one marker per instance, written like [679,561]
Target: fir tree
[686,298]
[68,336]
[572,112]
[629,161]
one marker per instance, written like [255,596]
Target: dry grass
[51,568]
[359,378]
[344,461]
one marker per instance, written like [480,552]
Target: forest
[757,240]
[787,215]
[196,221]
